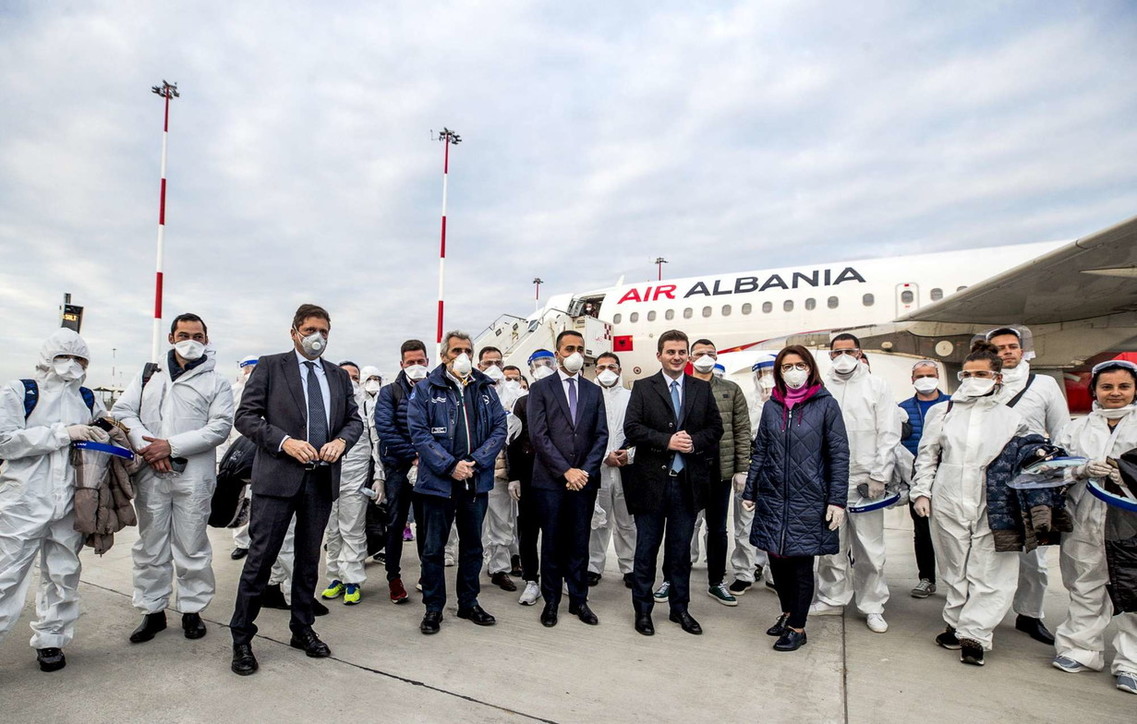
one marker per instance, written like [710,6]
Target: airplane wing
[1092,277]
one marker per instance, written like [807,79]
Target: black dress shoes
[644,624]
[503,581]
[1035,628]
[593,579]
[193,626]
[790,640]
[51,659]
[584,613]
[273,597]
[477,614]
[244,663]
[430,622]
[151,624]
[779,626]
[549,615]
[239,553]
[311,643]
[686,622]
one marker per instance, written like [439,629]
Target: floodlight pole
[659,262]
[448,137]
[537,282]
[166,91]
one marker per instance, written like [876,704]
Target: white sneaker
[820,608]
[876,623]
[530,595]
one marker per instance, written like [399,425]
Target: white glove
[514,488]
[380,488]
[876,489]
[739,482]
[80,432]
[1101,469]
[835,516]
[922,506]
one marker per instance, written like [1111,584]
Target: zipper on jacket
[785,481]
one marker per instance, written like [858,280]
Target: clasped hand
[681,442]
[303,451]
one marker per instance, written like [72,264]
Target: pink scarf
[793,397]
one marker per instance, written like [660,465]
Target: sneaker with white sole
[722,595]
[1127,681]
[740,587]
[1065,663]
[531,594]
[923,589]
[970,652]
[876,622]
[664,590]
[820,608]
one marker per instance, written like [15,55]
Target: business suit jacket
[273,406]
[559,442]
[649,424]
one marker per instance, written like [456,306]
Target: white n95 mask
[573,363]
[314,344]
[494,373]
[68,370]
[607,378]
[795,379]
[704,364]
[976,387]
[416,372]
[189,349]
[844,364]
[461,365]
[926,385]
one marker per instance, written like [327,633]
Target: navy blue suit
[559,444]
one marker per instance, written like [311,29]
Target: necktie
[572,398]
[317,417]
[677,460]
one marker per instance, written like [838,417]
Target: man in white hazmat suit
[345,538]
[499,530]
[612,520]
[873,427]
[241,532]
[37,494]
[1039,400]
[176,423]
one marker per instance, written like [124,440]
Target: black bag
[229,507]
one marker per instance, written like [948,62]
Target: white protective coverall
[1081,636]
[37,495]
[745,558]
[346,534]
[951,470]
[612,519]
[241,532]
[1044,409]
[873,428]
[194,413]
[499,530]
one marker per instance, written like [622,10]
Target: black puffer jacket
[799,466]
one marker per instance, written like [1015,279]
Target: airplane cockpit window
[726,310]
[937,294]
[788,305]
[617,318]
[669,314]
[706,311]
[767,307]
[634,317]
[651,316]
[868,300]
[747,308]
[833,302]
[810,304]
[688,313]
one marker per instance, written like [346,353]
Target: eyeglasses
[495,362]
[800,367]
[976,374]
[835,353]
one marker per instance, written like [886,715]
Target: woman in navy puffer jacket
[798,485]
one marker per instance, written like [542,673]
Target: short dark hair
[349,363]
[306,311]
[486,350]
[981,350]
[845,337]
[671,335]
[512,367]
[610,355]
[704,341]
[1002,331]
[806,356]
[411,345]
[187,317]
[567,333]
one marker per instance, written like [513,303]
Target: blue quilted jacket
[1024,519]
[798,467]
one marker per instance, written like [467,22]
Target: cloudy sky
[597,136]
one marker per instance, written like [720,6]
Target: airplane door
[907,298]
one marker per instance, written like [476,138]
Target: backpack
[31,398]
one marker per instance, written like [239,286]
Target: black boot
[151,624]
[51,659]
[193,626]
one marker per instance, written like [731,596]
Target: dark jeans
[672,526]
[268,525]
[435,515]
[718,500]
[528,529]
[566,525]
[400,498]
[925,553]
[793,579]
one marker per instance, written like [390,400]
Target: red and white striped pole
[447,137]
[167,91]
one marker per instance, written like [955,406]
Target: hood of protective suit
[61,341]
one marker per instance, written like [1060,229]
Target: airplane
[1077,298]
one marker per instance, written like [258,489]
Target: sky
[597,136]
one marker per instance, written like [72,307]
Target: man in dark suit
[568,430]
[674,424]
[301,413]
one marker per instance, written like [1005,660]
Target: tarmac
[382,668]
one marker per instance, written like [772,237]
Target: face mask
[416,372]
[542,372]
[844,364]
[461,365]
[796,379]
[371,387]
[704,364]
[494,373]
[976,387]
[189,350]
[573,363]
[1115,413]
[513,387]
[766,382]
[926,385]
[314,344]
[68,370]
[608,378]
[354,387]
